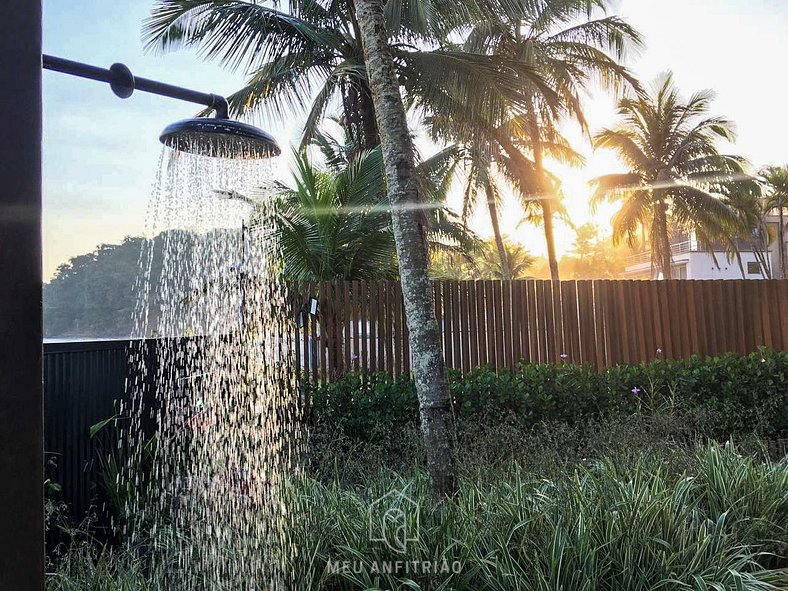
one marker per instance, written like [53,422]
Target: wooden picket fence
[362,325]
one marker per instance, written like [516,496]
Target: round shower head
[219,137]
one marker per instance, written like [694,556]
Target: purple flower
[564,356]
[636,390]
[353,357]
[659,351]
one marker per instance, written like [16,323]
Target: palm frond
[282,85]
[236,32]
[468,88]
[613,187]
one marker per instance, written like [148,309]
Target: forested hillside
[92,295]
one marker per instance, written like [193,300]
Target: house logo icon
[394,520]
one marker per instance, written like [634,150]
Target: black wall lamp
[309,309]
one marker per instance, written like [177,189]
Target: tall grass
[86,568]
[629,524]
[605,526]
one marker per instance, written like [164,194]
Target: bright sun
[575,183]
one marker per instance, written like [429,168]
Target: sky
[101,153]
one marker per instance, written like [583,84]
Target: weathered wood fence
[362,326]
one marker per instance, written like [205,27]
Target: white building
[693,261]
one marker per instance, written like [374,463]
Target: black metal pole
[124,83]
[21,391]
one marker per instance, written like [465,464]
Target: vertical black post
[21,392]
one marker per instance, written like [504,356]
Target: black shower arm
[124,83]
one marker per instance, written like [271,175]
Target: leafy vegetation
[623,526]
[334,222]
[724,395]
[677,176]
[308,55]
[569,45]
[496,78]
[694,519]
[483,262]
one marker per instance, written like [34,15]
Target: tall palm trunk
[661,230]
[409,225]
[548,193]
[505,271]
[368,129]
[368,126]
[781,238]
[549,236]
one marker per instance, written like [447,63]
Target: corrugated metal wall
[82,381]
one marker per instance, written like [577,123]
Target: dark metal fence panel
[82,381]
[84,384]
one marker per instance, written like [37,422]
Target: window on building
[753,268]
[678,271]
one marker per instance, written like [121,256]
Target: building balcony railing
[684,247]
[677,248]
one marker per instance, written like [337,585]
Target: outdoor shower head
[219,137]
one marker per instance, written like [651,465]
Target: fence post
[21,386]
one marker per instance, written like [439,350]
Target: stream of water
[211,437]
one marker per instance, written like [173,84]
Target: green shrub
[726,395]
[365,404]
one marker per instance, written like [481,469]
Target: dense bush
[728,394]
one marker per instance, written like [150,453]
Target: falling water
[212,435]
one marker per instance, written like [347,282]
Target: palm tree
[483,263]
[677,176]
[487,264]
[775,179]
[429,369]
[538,189]
[334,222]
[569,45]
[752,231]
[311,50]
[481,182]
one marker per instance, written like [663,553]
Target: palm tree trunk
[781,238]
[761,251]
[661,228]
[505,271]
[409,225]
[370,128]
[548,193]
[549,236]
